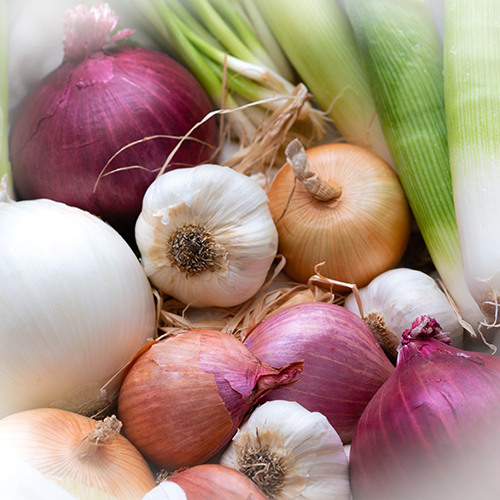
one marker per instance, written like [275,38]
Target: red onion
[97,101]
[433,429]
[343,363]
[216,482]
[184,398]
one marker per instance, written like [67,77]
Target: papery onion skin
[76,118]
[51,440]
[432,431]
[184,398]
[344,365]
[216,482]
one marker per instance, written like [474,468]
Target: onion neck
[299,163]
[88,30]
[104,432]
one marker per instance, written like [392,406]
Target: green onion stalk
[472,97]
[5,168]
[403,56]
[318,39]
[228,47]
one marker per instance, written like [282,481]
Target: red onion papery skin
[96,102]
[343,363]
[216,482]
[183,399]
[433,429]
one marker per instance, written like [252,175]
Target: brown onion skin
[184,398]
[76,118]
[344,366]
[433,429]
[216,482]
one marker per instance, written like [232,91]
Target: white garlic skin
[236,209]
[401,295]
[316,465]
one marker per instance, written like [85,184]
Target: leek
[219,42]
[317,38]
[403,55]
[5,168]
[472,96]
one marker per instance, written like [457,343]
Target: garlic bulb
[394,299]
[291,453]
[206,235]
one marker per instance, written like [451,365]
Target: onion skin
[216,482]
[55,443]
[183,399]
[359,235]
[344,365]
[76,118]
[433,429]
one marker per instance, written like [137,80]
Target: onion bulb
[344,365]
[216,482]
[75,307]
[432,431]
[184,398]
[99,100]
[290,452]
[86,457]
[340,205]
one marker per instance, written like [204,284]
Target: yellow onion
[342,205]
[216,482]
[184,398]
[84,456]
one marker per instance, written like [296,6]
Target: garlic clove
[291,453]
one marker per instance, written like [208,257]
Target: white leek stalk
[5,168]
[206,235]
[403,55]
[317,38]
[291,453]
[75,307]
[472,85]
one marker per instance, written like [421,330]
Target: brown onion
[344,365]
[216,482]
[340,205]
[184,398]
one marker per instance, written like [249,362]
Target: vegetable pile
[241,254]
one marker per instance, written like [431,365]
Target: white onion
[75,306]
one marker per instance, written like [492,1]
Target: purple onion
[433,429]
[97,101]
[344,365]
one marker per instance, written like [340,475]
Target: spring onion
[403,55]
[5,168]
[218,42]
[317,38]
[472,96]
